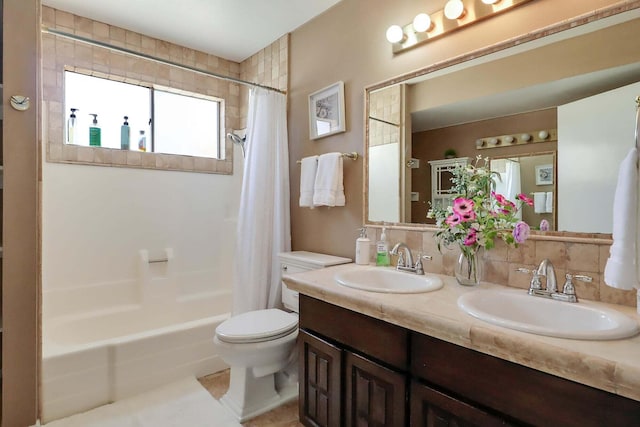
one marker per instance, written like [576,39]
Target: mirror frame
[564,236]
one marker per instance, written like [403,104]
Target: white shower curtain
[509,185]
[264,228]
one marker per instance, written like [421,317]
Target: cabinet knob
[284,268]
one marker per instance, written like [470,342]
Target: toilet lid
[257,326]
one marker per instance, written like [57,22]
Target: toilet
[260,346]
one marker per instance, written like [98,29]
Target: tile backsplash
[501,262]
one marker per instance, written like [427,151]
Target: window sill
[99,156]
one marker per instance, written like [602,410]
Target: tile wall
[500,264]
[59,53]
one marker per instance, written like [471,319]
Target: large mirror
[555,115]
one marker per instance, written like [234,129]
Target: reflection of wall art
[544,174]
[326,111]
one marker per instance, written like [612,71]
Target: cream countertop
[613,366]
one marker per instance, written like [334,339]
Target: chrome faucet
[405,262]
[545,269]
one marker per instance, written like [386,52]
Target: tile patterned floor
[283,416]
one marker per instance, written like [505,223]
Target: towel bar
[353,156]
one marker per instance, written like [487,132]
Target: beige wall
[20,222]
[347,43]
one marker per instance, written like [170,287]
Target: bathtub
[91,359]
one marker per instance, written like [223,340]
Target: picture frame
[544,174]
[326,111]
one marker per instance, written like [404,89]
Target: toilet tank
[299,261]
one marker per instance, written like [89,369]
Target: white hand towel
[548,205]
[328,189]
[539,202]
[308,170]
[620,271]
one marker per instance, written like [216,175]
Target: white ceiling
[230,29]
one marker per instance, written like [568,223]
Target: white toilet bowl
[257,345]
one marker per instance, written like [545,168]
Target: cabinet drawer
[373,337]
[525,394]
[430,407]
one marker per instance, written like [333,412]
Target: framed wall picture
[326,111]
[544,174]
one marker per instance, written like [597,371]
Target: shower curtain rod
[153,58]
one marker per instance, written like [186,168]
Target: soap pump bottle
[125,134]
[71,127]
[94,132]
[362,248]
[382,250]
[142,141]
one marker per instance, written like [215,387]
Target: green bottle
[94,132]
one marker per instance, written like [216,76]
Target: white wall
[97,219]
[594,135]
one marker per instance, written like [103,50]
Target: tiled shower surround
[568,255]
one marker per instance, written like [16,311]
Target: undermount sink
[515,309]
[382,279]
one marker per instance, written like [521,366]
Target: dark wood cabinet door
[320,385]
[431,408]
[375,396]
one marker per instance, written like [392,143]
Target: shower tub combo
[91,359]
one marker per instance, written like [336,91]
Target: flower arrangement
[478,215]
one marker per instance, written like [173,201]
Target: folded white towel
[308,170]
[328,189]
[620,271]
[539,202]
[548,202]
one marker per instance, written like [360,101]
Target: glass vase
[469,268]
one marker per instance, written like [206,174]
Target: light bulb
[422,22]
[395,34]
[454,9]
[490,1]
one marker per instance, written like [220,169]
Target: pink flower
[499,197]
[462,206]
[453,220]
[471,238]
[523,197]
[469,216]
[544,225]
[521,232]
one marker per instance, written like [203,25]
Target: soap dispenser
[362,248]
[94,132]
[71,127]
[125,134]
[382,250]
[142,142]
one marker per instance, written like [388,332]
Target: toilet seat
[257,326]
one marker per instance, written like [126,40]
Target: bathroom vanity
[392,360]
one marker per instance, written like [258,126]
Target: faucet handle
[568,287]
[535,283]
[418,265]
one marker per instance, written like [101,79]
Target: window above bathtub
[168,128]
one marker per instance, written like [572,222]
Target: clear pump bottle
[71,126]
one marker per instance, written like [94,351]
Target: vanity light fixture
[422,22]
[454,9]
[395,34]
[486,142]
[455,15]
